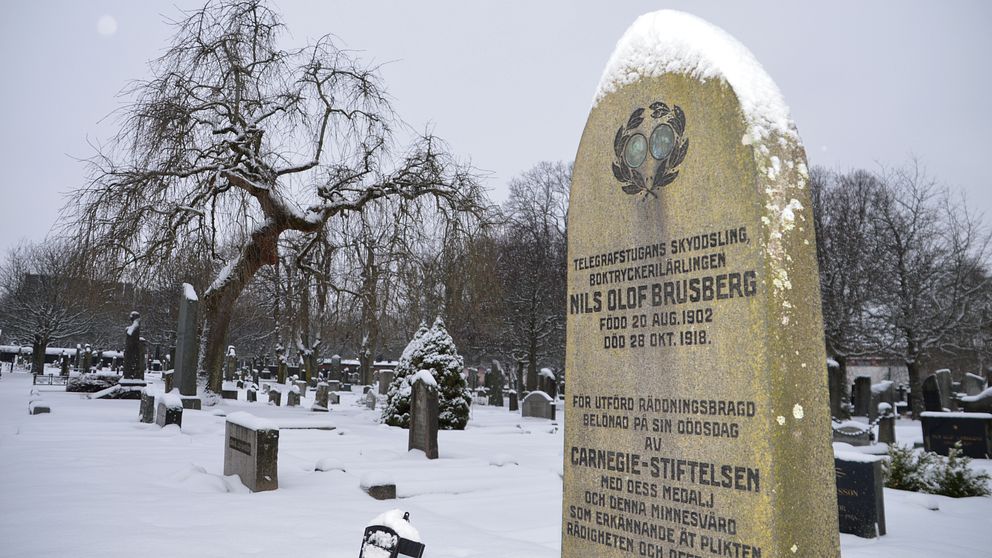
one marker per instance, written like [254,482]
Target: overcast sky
[509,84]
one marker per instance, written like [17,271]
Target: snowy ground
[90,480]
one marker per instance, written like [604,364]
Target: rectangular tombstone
[973,430]
[170,411]
[862,396]
[187,345]
[302,385]
[694,341]
[334,399]
[334,385]
[945,386]
[251,451]
[275,398]
[538,404]
[931,395]
[423,418]
[320,398]
[385,378]
[146,413]
[251,395]
[860,505]
[973,384]
[292,398]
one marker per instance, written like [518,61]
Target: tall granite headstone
[931,394]
[862,395]
[694,344]
[423,417]
[945,384]
[186,343]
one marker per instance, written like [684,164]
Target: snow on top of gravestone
[986,394]
[424,376]
[668,41]
[880,387]
[249,420]
[547,373]
[394,520]
[189,292]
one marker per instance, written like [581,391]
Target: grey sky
[509,84]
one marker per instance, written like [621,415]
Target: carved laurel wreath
[634,182]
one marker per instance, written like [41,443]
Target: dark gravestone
[538,404]
[882,392]
[548,383]
[275,398]
[230,363]
[333,399]
[514,405]
[293,397]
[251,395]
[836,383]
[251,451]
[381,491]
[886,424]
[860,504]
[862,395]
[302,386]
[494,383]
[170,411]
[229,390]
[423,416]
[981,403]
[973,430]
[345,387]
[187,344]
[385,378]
[320,398]
[945,385]
[146,413]
[931,395]
[64,366]
[334,385]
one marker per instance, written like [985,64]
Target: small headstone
[385,378]
[334,385]
[230,364]
[946,386]
[334,399]
[381,491]
[275,398]
[251,395]
[266,388]
[423,415]
[538,404]
[514,405]
[167,380]
[38,407]
[228,390]
[302,386]
[886,424]
[932,401]
[251,451]
[320,398]
[973,430]
[882,392]
[146,413]
[344,387]
[860,502]
[862,395]
[240,384]
[192,403]
[370,399]
[292,398]
[835,383]
[170,411]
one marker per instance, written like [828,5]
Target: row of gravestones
[950,418]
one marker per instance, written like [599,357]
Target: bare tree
[533,268]
[43,297]
[235,141]
[933,253]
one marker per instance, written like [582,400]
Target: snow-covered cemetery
[270,314]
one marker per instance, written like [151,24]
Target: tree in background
[430,349]
[235,141]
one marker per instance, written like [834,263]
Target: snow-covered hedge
[92,382]
[434,350]
[933,474]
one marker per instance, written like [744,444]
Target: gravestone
[275,398]
[167,377]
[692,285]
[251,395]
[146,413]
[231,363]
[886,424]
[973,430]
[862,396]
[334,398]
[169,411]
[423,415]
[538,404]
[301,385]
[187,345]
[334,385]
[860,504]
[931,394]
[973,384]
[494,383]
[64,365]
[381,491]
[320,398]
[87,359]
[251,451]
[882,392]
[370,399]
[229,390]
[547,382]
[385,378]
[945,385]
[293,397]
[512,401]
[836,383]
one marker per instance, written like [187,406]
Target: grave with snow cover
[972,430]
[169,411]
[694,344]
[538,404]
[187,348]
[860,505]
[423,414]
[251,451]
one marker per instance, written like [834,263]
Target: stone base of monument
[146,413]
[973,430]
[251,451]
[170,411]
[191,402]
[860,505]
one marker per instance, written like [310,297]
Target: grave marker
[973,430]
[945,385]
[251,451]
[423,414]
[931,395]
[692,284]
[187,347]
[862,395]
[538,404]
[170,410]
[860,505]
